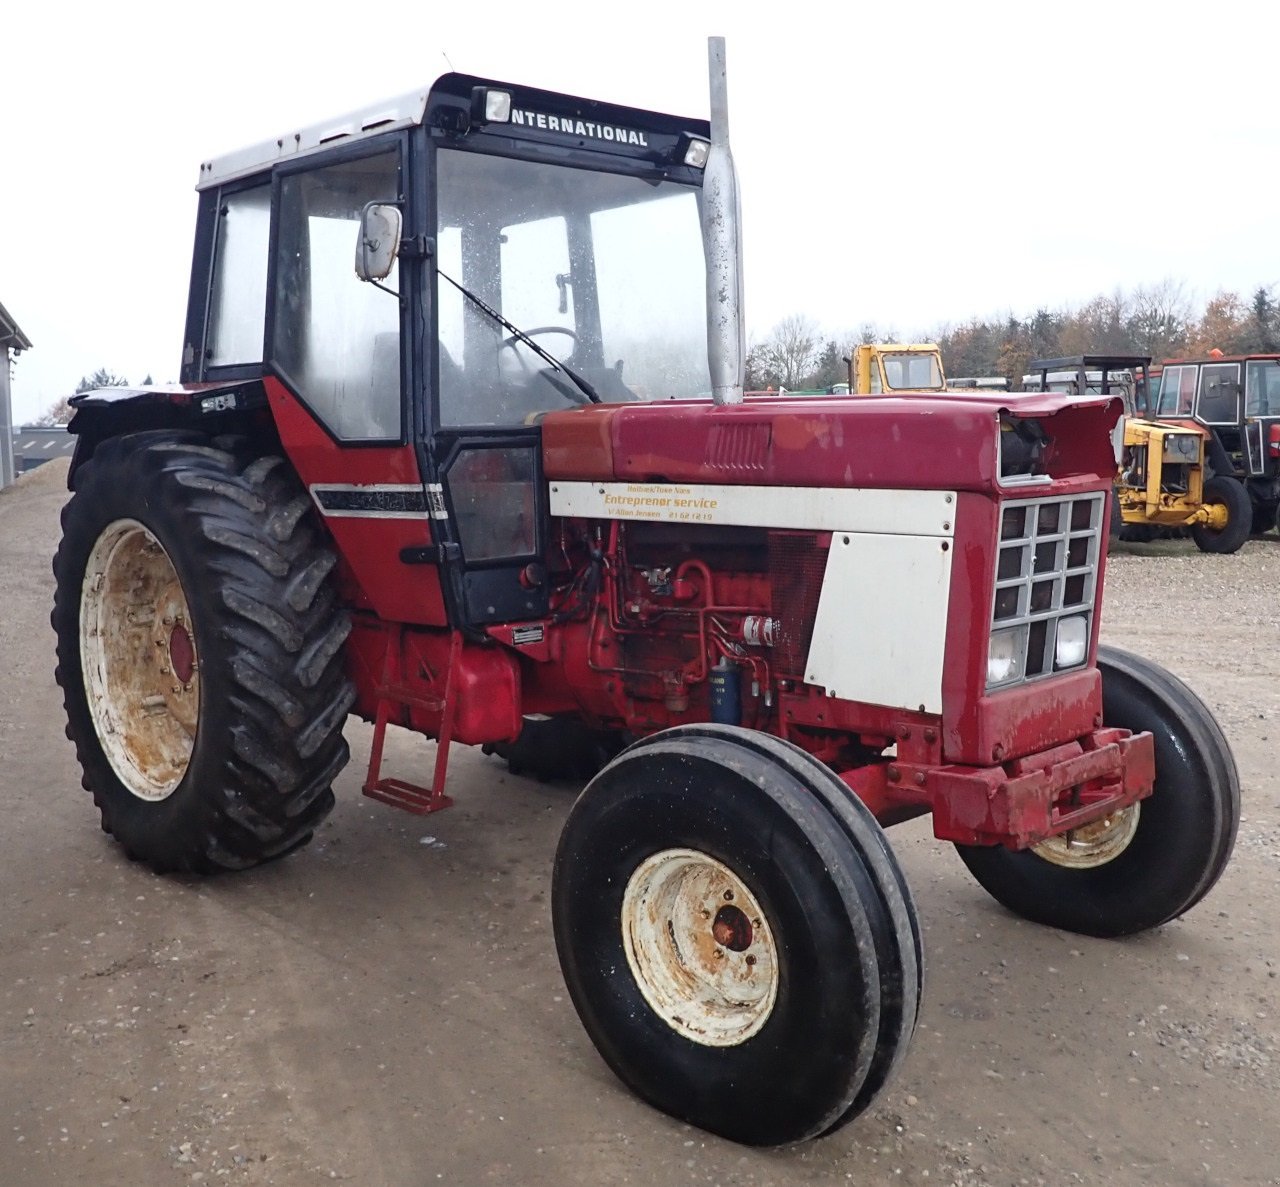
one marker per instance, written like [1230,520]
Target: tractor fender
[1217,457]
[231,406]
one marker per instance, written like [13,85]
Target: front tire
[1230,494]
[1156,859]
[738,960]
[199,651]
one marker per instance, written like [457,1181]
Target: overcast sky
[903,164]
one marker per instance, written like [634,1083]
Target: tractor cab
[515,251]
[1169,476]
[879,368]
[1236,399]
[1094,375]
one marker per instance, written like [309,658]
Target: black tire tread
[902,966]
[238,524]
[1208,741]
[1186,830]
[733,1094]
[1231,493]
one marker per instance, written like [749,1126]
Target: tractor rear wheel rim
[139,660]
[700,947]
[1092,844]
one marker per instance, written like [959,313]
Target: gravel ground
[385,1006]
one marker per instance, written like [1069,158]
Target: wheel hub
[182,654]
[139,660]
[1093,844]
[699,947]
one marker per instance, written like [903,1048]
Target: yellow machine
[1162,480]
[881,367]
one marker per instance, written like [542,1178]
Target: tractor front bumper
[1020,803]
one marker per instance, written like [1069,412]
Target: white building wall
[6,421]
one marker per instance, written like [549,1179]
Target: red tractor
[476,487]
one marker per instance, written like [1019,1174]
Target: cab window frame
[397,142]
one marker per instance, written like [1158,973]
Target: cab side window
[335,339]
[238,299]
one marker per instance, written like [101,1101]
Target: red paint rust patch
[732,929]
[182,654]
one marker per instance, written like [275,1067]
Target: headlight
[1006,656]
[1073,642]
[1182,447]
[694,151]
[490,106]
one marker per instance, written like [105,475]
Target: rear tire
[1231,494]
[767,1028]
[200,651]
[1153,861]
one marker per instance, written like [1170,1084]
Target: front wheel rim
[139,661]
[1093,844]
[700,947]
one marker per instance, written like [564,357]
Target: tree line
[1157,320]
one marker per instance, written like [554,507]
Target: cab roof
[1093,362]
[1220,358]
[404,112]
[451,93]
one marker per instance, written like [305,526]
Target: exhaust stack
[722,243]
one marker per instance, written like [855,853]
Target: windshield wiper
[556,365]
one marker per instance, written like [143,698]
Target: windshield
[911,371]
[1262,387]
[603,271]
[1177,387]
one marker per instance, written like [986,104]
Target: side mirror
[381,225]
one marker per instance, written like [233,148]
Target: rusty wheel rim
[139,661]
[699,947]
[1093,844]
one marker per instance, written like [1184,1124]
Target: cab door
[495,504]
[510,265]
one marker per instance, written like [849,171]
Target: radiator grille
[1046,573]
[797,563]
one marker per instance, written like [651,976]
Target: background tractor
[897,367]
[468,488]
[1167,478]
[1236,401]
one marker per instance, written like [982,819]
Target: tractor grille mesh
[1046,571]
[797,563]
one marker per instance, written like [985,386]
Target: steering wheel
[514,341]
[565,388]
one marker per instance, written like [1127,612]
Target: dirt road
[385,1006]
